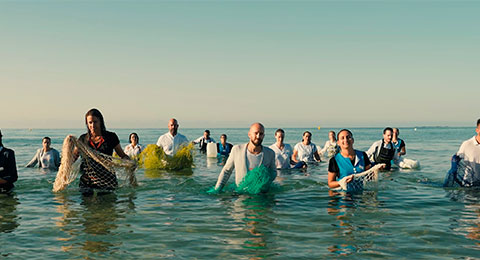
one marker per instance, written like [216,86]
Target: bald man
[172,140]
[245,157]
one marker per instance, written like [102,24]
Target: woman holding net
[347,162]
[93,174]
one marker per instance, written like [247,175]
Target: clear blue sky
[230,63]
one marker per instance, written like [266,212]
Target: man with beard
[246,157]
[172,140]
[383,151]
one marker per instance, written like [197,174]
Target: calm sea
[170,215]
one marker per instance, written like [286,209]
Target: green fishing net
[153,157]
[256,181]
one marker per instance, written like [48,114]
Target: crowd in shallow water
[246,160]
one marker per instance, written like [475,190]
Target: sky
[231,63]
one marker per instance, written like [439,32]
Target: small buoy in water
[415,129]
[318,128]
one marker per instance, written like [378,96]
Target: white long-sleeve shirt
[132,151]
[282,157]
[45,160]
[170,143]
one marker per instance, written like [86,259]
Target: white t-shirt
[254,160]
[170,143]
[282,157]
[305,153]
[470,152]
[132,151]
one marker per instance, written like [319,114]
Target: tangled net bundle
[103,170]
[257,180]
[153,157]
[461,174]
[361,180]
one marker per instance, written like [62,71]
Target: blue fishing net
[461,174]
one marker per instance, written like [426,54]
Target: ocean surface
[170,215]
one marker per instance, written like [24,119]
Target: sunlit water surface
[170,215]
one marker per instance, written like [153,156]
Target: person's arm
[366,162]
[225,173]
[324,149]
[403,150]
[34,160]
[316,154]
[273,164]
[370,152]
[57,159]
[119,151]
[196,141]
[332,180]
[294,155]
[160,141]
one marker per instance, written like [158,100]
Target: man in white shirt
[470,153]
[283,152]
[172,140]
[246,157]
[383,151]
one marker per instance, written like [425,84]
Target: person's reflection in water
[8,212]
[468,222]
[98,214]
[343,206]
[99,219]
[255,211]
[68,217]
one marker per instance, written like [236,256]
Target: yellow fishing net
[153,157]
[104,171]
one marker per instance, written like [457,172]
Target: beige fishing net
[361,180]
[101,171]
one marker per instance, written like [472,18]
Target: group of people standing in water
[343,159]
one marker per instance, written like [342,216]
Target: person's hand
[382,166]
[349,179]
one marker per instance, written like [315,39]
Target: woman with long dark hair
[94,175]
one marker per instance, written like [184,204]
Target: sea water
[170,215]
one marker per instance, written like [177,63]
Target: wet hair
[223,135]
[333,132]
[48,138]
[343,130]
[478,123]
[1,144]
[96,113]
[130,137]
[387,129]
[306,132]
[398,131]
[279,130]
[207,131]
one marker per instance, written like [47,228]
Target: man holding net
[172,140]
[468,173]
[251,158]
